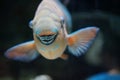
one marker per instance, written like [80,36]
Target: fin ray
[79,41]
[22,52]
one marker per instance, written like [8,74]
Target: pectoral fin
[22,52]
[79,41]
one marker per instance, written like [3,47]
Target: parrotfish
[52,34]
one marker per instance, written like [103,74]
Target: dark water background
[15,16]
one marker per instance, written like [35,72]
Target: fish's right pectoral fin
[23,52]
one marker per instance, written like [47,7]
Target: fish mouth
[47,39]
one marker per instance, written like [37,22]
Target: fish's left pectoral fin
[79,41]
[23,52]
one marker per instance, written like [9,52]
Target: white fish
[51,30]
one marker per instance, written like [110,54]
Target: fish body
[52,27]
[48,22]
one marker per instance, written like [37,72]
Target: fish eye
[31,24]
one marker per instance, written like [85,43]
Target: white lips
[48,39]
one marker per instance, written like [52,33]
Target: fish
[52,35]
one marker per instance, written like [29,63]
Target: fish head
[49,38]
[46,30]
